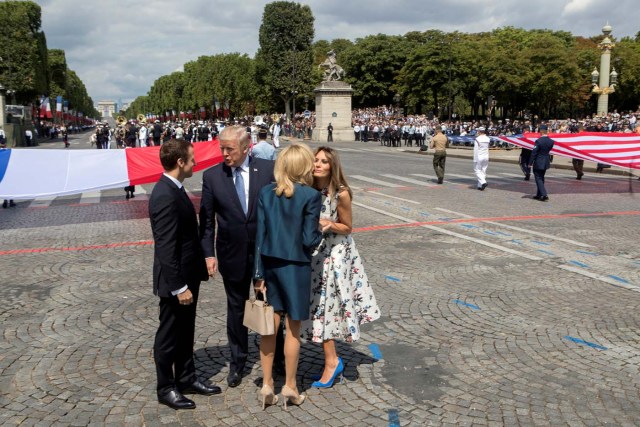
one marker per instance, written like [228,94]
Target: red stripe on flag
[143,164]
[617,149]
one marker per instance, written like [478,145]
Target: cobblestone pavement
[497,309]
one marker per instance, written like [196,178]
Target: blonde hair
[235,133]
[293,165]
[338,181]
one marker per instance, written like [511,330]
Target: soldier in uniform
[439,143]
[540,162]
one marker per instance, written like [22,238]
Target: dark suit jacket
[177,256]
[287,227]
[540,155]
[235,242]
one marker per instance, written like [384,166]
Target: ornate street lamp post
[607,80]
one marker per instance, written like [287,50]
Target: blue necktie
[240,189]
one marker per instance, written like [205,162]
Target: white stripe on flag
[39,173]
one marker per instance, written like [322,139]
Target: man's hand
[212,266]
[185,298]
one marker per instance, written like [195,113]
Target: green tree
[57,73]
[23,50]
[285,58]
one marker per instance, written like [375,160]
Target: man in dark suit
[178,268]
[229,198]
[540,161]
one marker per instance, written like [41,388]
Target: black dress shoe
[174,399]
[544,199]
[440,180]
[536,197]
[200,388]
[484,186]
[527,178]
[234,379]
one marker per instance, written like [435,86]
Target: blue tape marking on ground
[586,253]
[491,233]
[424,214]
[502,233]
[541,243]
[405,209]
[5,155]
[394,419]
[375,351]
[579,264]
[517,242]
[619,279]
[587,343]
[387,203]
[444,219]
[395,279]
[468,226]
[545,252]
[466,304]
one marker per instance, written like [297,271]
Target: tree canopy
[539,72]
[28,67]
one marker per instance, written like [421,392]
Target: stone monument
[333,103]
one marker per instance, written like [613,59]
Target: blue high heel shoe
[336,374]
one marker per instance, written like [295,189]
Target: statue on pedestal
[332,71]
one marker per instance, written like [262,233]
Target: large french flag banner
[33,173]
[616,149]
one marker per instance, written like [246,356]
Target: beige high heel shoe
[268,396]
[289,394]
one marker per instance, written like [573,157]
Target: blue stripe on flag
[4,162]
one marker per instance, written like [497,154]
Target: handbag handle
[264,295]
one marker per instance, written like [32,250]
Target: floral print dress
[341,297]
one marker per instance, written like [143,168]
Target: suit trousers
[439,159]
[237,334]
[173,346]
[539,176]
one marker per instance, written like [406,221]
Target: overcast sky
[120,47]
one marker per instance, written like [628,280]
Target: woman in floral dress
[341,297]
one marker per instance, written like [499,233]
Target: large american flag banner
[616,149]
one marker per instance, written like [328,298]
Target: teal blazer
[287,227]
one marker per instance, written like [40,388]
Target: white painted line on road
[456,175]
[523,230]
[595,276]
[387,195]
[90,197]
[375,181]
[351,150]
[42,202]
[452,233]
[409,180]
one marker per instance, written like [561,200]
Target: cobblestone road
[497,309]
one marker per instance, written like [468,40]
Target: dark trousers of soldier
[439,159]
[538,174]
[526,169]
[330,137]
[578,166]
